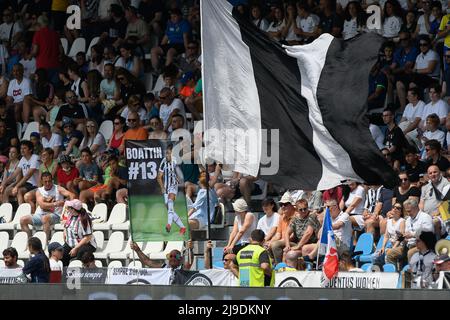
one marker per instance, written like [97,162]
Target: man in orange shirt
[135,130]
[287,212]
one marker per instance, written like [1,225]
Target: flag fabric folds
[328,247]
[313,95]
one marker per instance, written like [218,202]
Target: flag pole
[208,210]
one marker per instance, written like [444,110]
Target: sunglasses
[162,98]
[398,207]
[404,180]
[303,209]
[226,260]
[89,126]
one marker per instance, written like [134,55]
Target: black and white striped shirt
[168,169]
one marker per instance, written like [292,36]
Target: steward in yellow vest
[255,267]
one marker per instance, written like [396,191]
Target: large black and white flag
[308,103]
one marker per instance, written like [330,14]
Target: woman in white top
[292,23]
[392,22]
[355,204]
[258,19]
[432,133]
[97,62]
[269,222]
[244,223]
[413,112]
[276,27]
[395,227]
[93,140]
[354,21]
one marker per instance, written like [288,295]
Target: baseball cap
[441,259]
[186,77]
[286,198]
[35,134]
[64,158]
[66,121]
[240,205]
[54,246]
[75,203]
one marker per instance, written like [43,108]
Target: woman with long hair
[79,86]
[130,61]
[405,190]
[392,19]
[93,80]
[44,93]
[93,139]
[275,30]
[97,62]
[129,85]
[354,204]
[8,180]
[78,237]
[38,267]
[395,227]
[157,128]
[354,21]
[118,132]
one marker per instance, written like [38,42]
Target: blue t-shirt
[401,57]
[36,268]
[74,134]
[174,31]
[376,81]
[434,26]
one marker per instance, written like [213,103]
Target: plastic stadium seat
[148,81]
[115,244]
[200,263]
[171,245]
[117,216]
[4,239]
[98,264]
[389,267]
[32,127]
[23,210]
[78,45]
[6,210]
[124,226]
[364,246]
[218,265]
[19,129]
[100,212]
[158,85]
[75,264]
[115,264]
[405,268]
[2,264]
[400,278]
[20,242]
[106,129]
[65,44]
[58,237]
[94,41]
[153,247]
[364,258]
[367,267]
[99,239]
[43,237]
[135,264]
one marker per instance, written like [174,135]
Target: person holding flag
[168,181]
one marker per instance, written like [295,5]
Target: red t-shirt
[64,178]
[334,193]
[48,54]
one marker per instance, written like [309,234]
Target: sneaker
[182,230]
[168,226]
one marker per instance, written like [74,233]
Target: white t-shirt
[5,30]
[436,135]
[55,141]
[19,91]
[26,165]
[423,60]
[165,110]
[276,28]
[345,232]
[240,223]
[350,29]
[29,67]
[359,192]
[412,112]
[391,27]
[440,108]
[308,24]
[267,223]
[421,24]
[142,113]
[263,23]
[55,265]
[291,36]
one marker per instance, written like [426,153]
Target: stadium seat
[389,267]
[405,268]
[364,246]
[117,216]
[217,253]
[4,240]
[98,264]
[32,127]
[58,237]
[148,82]
[126,252]
[400,278]
[200,264]
[20,242]
[19,130]
[65,44]
[171,245]
[6,212]
[94,41]
[115,264]
[99,239]
[43,237]
[23,210]
[75,264]
[158,85]
[124,227]
[115,244]
[135,264]
[153,247]
[106,129]
[2,264]
[364,258]
[21,263]
[78,45]
[367,267]
[218,265]
[100,212]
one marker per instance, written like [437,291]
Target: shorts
[28,186]
[37,218]
[179,47]
[171,189]
[359,219]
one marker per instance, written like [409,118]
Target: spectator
[137,31]
[149,105]
[188,83]
[229,260]
[134,132]
[275,29]
[38,267]
[432,133]
[79,86]
[50,202]
[405,191]
[11,166]
[292,263]
[152,12]
[130,61]
[392,19]
[413,165]
[117,178]
[134,104]
[19,88]
[88,260]
[244,223]
[410,24]
[412,115]
[278,243]
[175,40]
[335,193]
[67,172]
[342,226]
[47,48]
[10,30]
[436,105]
[354,204]
[81,66]
[5,138]
[58,14]
[423,23]
[111,56]
[77,232]
[257,18]
[118,133]
[10,257]
[169,106]
[198,214]
[189,61]
[49,139]
[129,85]
[90,173]
[93,140]
[395,229]
[255,267]
[308,22]
[48,163]
[394,139]
[43,96]
[436,12]
[26,59]
[71,138]
[269,222]
[378,84]
[421,263]
[292,22]
[36,141]
[4,82]
[76,112]
[156,124]
[108,86]
[55,252]
[115,28]
[346,263]
[97,62]
[434,157]
[330,21]
[354,20]
[442,263]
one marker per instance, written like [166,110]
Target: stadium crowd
[143,73]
